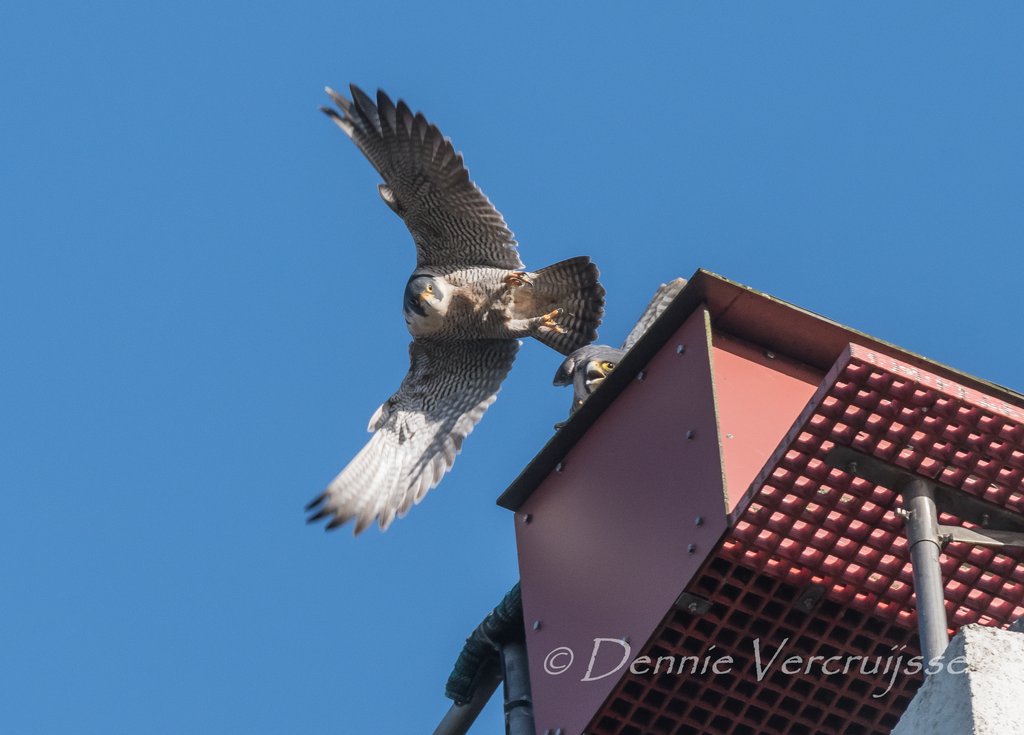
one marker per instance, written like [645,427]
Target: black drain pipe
[518,704]
[494,651]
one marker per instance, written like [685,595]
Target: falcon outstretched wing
[426,183]
[418,431]
[659,302]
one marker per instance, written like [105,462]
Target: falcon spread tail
[572,285]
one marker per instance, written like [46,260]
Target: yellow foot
[517,279]
[549,320]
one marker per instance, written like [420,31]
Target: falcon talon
[550,321]
[518,279]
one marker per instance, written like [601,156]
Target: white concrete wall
[987,698]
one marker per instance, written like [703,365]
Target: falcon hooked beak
[597,371]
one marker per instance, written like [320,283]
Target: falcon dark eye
[608,365]
[413,305]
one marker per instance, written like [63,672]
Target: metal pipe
[518,702]
[923,535]
[460,717]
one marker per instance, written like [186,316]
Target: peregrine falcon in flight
[587,367]
[466,305]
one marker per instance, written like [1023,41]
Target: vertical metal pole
[518,703]
[923,534]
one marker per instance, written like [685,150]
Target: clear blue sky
[200,301]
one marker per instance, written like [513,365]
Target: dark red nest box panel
[687,533]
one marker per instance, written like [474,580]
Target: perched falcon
[587,367]
[466,304]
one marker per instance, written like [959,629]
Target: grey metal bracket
[985,537]
[692,604]
[810,597]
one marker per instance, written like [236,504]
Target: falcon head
[586,368]
[426,296]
